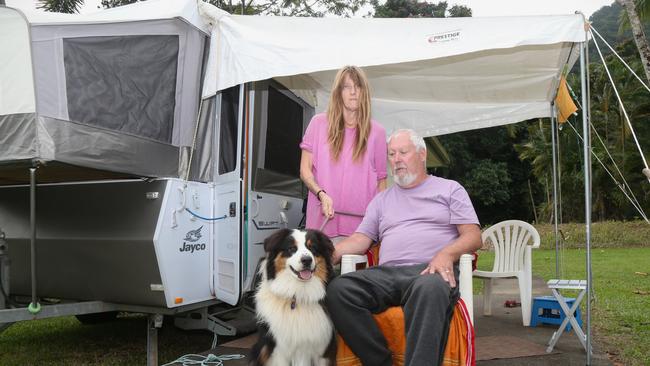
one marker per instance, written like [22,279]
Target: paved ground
[507,322]
[503,322]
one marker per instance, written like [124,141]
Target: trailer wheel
[97,318]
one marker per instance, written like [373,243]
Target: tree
[638,33]
[418,9]
[487,165]
[489,182]
[61,6]
[272,7]
[114,3]
[458,11]
[609,202]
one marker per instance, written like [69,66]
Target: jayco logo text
[190,242]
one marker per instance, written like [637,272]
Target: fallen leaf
[641,292]
[640,273]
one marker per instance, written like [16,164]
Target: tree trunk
[638,33]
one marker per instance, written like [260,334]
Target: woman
[343,162]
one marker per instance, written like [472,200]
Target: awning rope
[620,58]
[620,102]
[627,186]
[620,186]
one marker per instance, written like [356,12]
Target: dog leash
[327,219]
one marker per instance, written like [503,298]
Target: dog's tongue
[305,274]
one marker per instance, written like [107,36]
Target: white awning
[435,75]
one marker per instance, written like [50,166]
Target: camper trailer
[146,196]
[146,151]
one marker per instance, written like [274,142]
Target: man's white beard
[406,180]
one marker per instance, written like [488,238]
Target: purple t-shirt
[414,224]
[351,184]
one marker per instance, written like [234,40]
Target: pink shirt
[351,185]
[413,224]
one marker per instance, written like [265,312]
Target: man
[425,224]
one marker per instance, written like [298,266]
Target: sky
[480,8]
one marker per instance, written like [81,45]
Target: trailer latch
[233,209]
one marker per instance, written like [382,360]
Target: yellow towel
[564,102]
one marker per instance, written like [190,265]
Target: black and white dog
[294,328]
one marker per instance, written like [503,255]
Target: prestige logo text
[448,36]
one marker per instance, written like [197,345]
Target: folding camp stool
[547,310]
[581,286]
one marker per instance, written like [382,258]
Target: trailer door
[228,196]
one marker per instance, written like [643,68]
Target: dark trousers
[427,300]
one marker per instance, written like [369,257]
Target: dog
[294,327]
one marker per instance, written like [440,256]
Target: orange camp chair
[459,350]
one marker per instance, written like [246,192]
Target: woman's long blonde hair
[336,124]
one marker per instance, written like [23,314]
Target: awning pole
[586,141]
[34,307]
[555,184]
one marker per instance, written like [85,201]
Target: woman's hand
[326,205]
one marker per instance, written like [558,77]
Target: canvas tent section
[17,101]
[115,92]
[434,75]
[16,87]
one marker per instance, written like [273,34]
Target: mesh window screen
[123,83]
[228,130]
[283,134]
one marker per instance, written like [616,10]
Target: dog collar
[293,303]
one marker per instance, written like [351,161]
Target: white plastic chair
[513,241]
[351,262]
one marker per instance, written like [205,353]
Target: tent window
[228,130]
[123,83]
[283,134]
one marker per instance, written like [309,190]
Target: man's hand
[468,241]
[442,263]
[356,243]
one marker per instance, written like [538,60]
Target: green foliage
[612,144]
[487,165]
[642,10]
[114,3]
[60,6]
[610,21]
[315,8]
[457,11]
[488,181]
[409,9]
[418,9]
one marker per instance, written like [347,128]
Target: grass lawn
[65,341]
[604,234]
[621,309]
